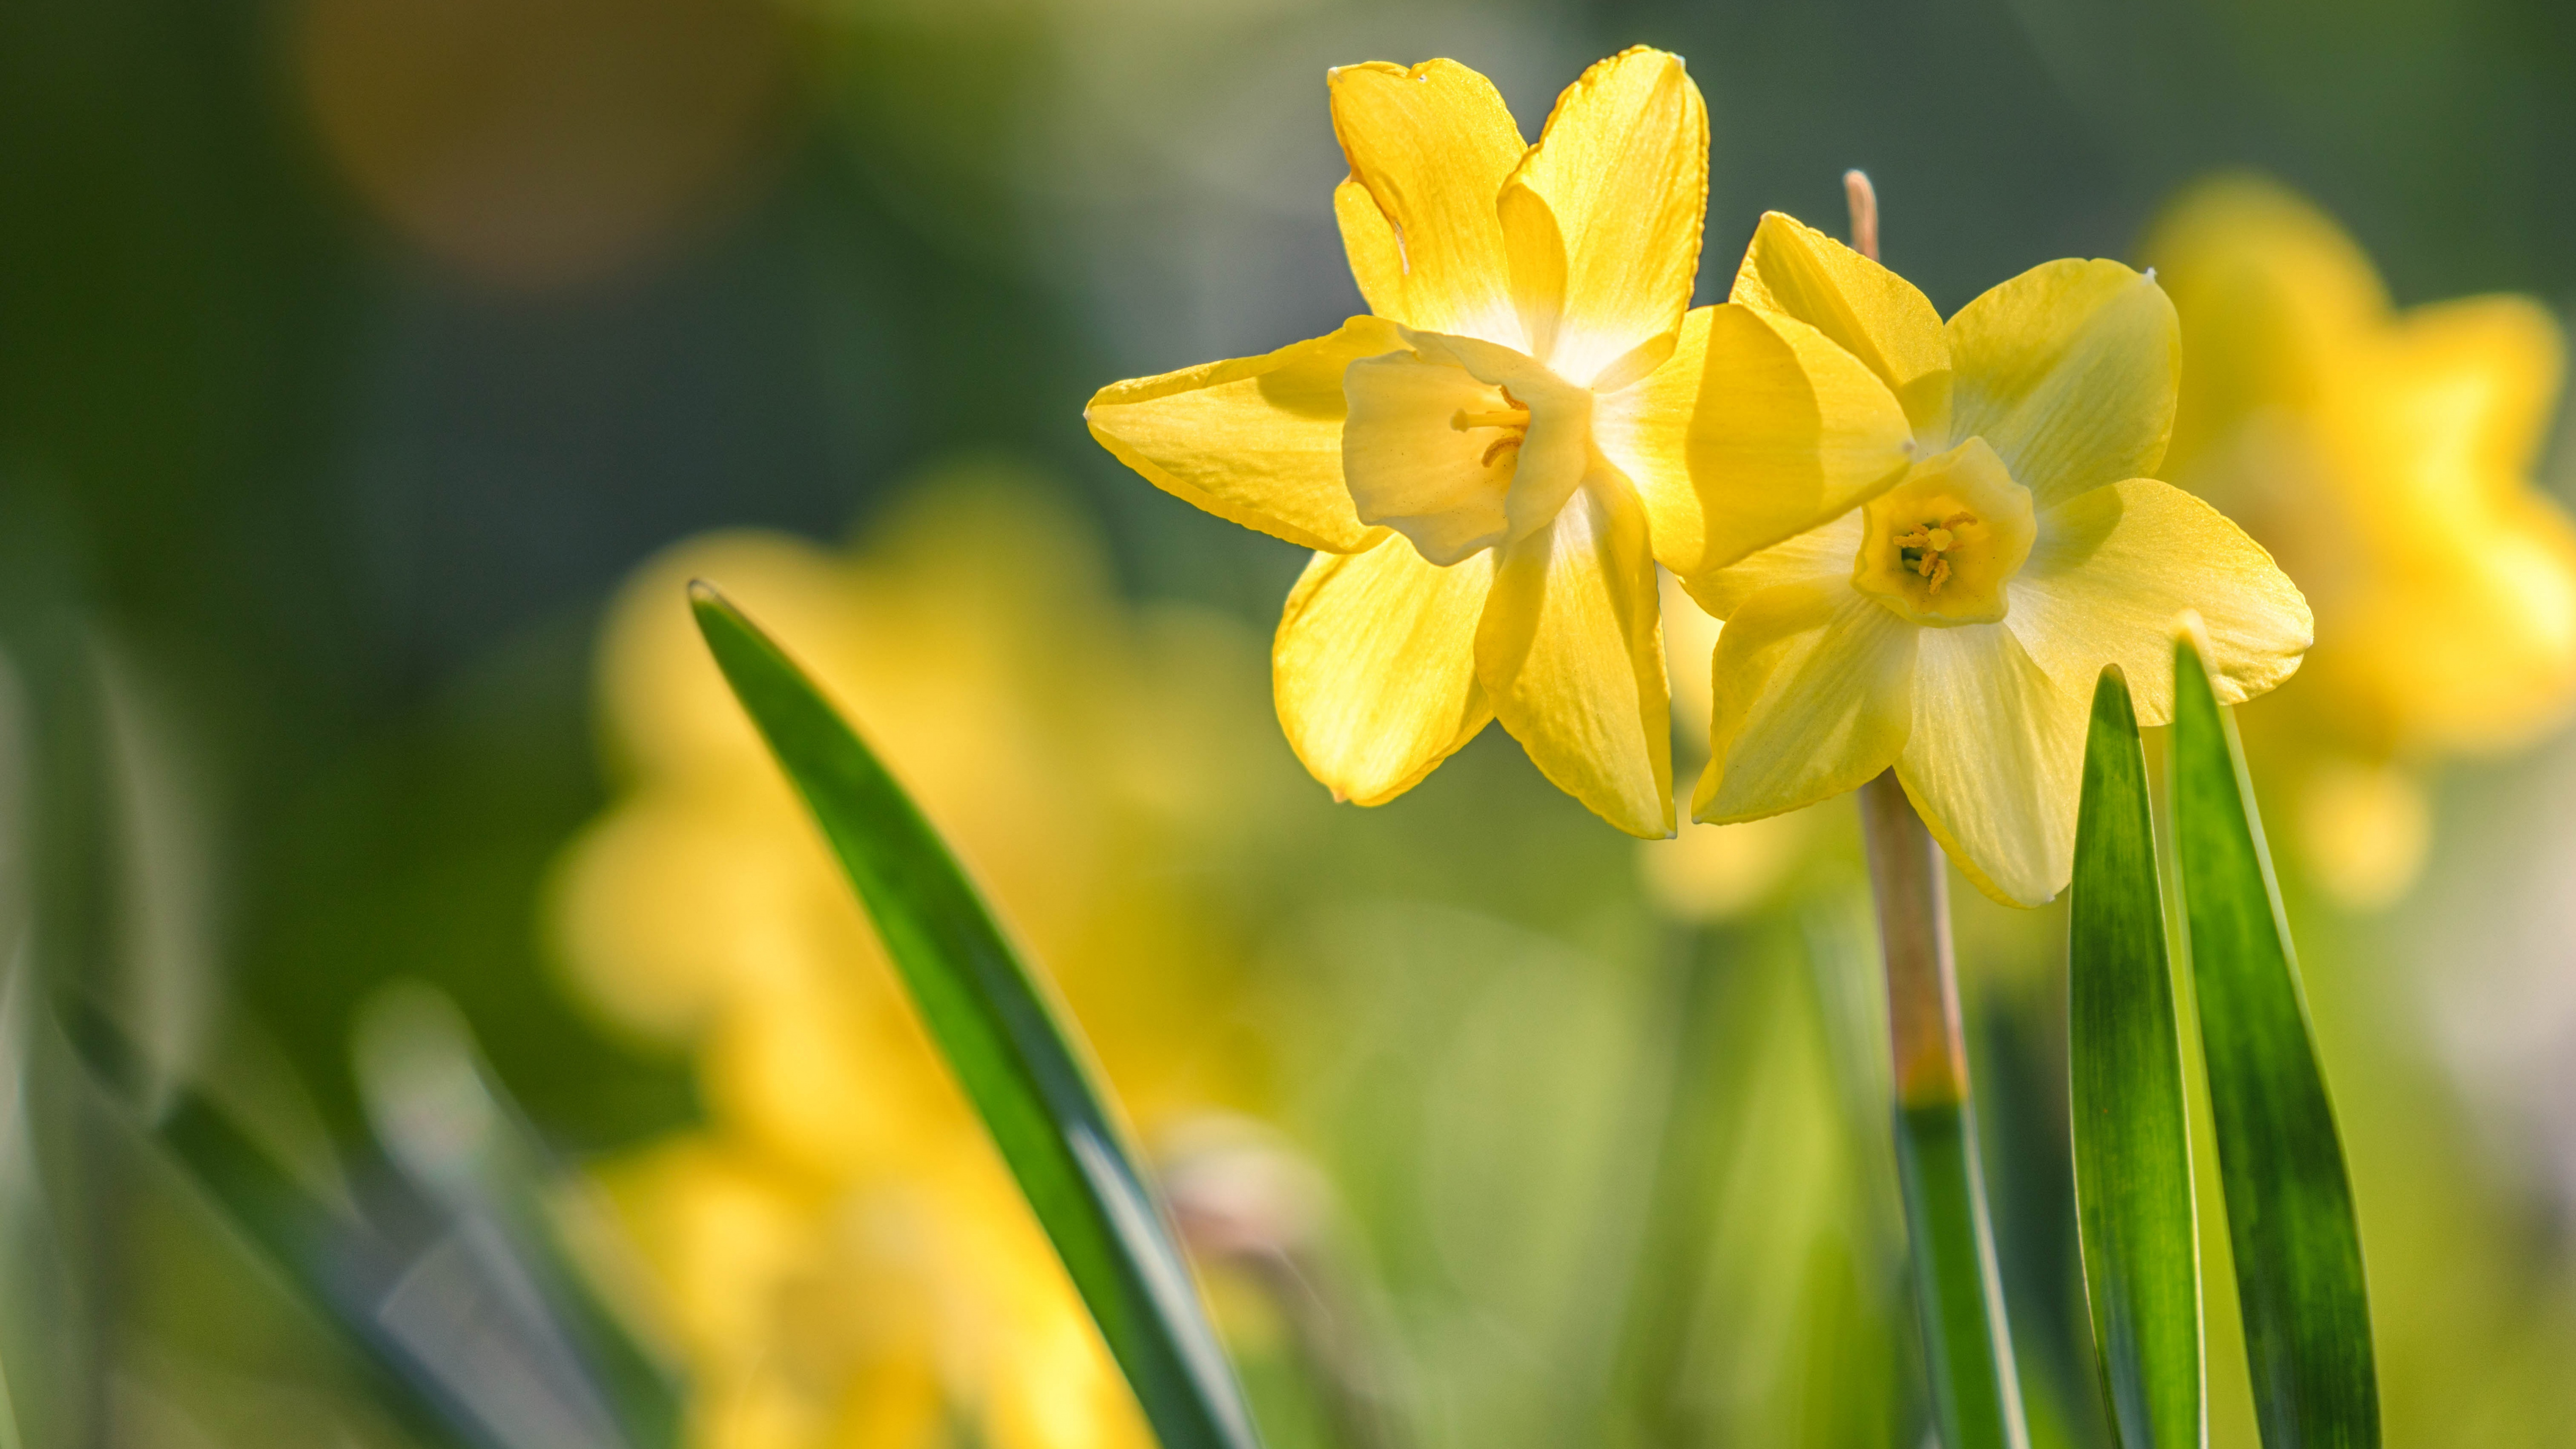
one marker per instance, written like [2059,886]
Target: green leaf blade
[1004,1038]
[2290,1215]
[2133,1186]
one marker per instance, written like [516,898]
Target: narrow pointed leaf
[318,1247]
[2290,1214]
[2132,1155]
[455,1132]
[1011,1047]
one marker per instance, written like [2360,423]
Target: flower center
[1512,421]
[1939,547]
[1921,549]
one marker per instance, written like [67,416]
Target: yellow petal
[1603,215]
[1571,652]
[2115,565]
[2468,599]
[1877,316]
[1814,684]
[1375,251]
[2479,380]
[1824,555]
[1375,667]
[1755,430]
[2069,370]
[2271,294]
[1432,147]
[1690,641]
[1408,467]
[1994,761]
[1257,440]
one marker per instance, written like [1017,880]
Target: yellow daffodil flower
[1492,463]
[1952,627]
[2385,458]
[838,1254]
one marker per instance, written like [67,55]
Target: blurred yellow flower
[838,1253]
[2385,458]
[1492,463]
[1952,627]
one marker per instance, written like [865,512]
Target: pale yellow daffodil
[1492,463]
[1952,628]
[2385,458]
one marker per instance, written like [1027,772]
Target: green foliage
[2132,1151]
[2290,1213]
[292,1226]
[1006,1038]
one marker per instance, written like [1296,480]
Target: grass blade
[453,1130]
[2290,1214]
[314,1245]
[2132,1152]
[1005,1039]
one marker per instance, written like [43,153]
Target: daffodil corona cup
[2386,458]
[1491,464]
[837,1253]
[1951,627]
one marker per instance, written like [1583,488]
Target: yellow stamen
[1512,418]
[1922,548]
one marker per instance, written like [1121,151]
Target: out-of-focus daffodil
[1492,463]
[2385,458]
[1952,627]
[838,1253]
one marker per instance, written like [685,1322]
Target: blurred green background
[353,351]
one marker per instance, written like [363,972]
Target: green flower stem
[1957,1288]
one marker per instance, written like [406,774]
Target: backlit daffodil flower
[1492,463]
[1952,627]
[2385,458]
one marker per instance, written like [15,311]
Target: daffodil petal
[1794,270]
[2471,551]
[1376,253]
[2112,569]
[1257,440]
[1602,218]
[1374,668]
[1570,650]
[1814,683]
[2272,294]
[1820,555]
[1431,146]
[1994,761]
[1408,467]
[2070,372]
[1757,429]
[2487,374]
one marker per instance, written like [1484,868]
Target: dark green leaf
[2132,1152]
[2289,1199]
[1007,1041]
